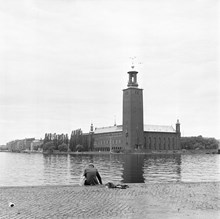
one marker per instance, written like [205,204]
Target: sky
[64,64]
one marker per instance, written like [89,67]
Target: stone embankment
[167,200]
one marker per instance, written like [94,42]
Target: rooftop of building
[115,128]
[147,128]
[159,128]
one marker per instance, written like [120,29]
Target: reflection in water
[133,169]
[162,168]
[37,169]
[151,168]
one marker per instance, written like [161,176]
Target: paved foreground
[171,200]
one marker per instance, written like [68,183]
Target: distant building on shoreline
[26,144]
[3,148]
[36,144]
[133,135]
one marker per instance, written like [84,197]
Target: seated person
[91,174]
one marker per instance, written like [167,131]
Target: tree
[198,145]
[85,142]
[63,147]
[48,147]
[75,139]
[57,139]
[46,138]
[191,143]
[79,148]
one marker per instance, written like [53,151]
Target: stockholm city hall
[133,135]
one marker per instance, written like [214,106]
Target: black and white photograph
[110,109]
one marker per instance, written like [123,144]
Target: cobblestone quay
[167,200]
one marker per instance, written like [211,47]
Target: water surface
[17,169]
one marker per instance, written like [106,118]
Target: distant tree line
[192,143]
[77,142]
[55,142]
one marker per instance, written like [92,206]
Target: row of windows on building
[150,143]
[106,142]
[161,142]
[108,148]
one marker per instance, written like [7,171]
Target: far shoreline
[177,152]
[204,151]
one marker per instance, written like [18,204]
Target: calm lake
[17,169]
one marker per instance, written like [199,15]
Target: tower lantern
[178,127]
[91,128]
[132,82]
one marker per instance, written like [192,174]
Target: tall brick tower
[133,123]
